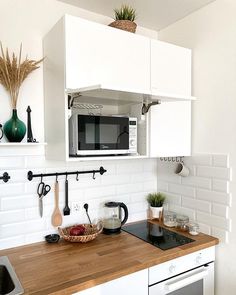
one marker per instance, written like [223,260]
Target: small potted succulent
[124,19]
[156,201]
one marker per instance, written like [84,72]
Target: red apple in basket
[77,230]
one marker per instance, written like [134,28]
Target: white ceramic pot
[156,212]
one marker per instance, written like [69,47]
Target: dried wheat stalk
[13,72]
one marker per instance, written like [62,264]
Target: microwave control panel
[133,135]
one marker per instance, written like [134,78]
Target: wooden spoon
[56,215]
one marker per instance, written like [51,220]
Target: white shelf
[82,159]
[22,148]
[22,144]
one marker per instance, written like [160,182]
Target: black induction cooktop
[156,235]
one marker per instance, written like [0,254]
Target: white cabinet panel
[170,129]
[170,69]
[135,283]
[98,54]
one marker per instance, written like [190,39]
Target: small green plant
[156,199]
[126,12]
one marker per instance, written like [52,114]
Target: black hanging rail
[5,177]
[31,175]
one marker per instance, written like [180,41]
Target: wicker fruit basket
[91,232]
[125,25]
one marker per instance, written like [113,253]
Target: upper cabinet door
[98,54]
[170,129]
[170,70]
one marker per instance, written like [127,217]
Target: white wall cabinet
[97,54]
[80,54]
[170,129]
[170,70]
[135,283]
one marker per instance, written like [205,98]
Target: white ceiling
[152,14]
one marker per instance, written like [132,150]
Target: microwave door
[103,135]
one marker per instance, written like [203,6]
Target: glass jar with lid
[182,222]
[169,218]
[193,228]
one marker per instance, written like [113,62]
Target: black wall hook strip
[31,175]
[5,177]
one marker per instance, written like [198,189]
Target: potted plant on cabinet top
[124,19]
[156,201]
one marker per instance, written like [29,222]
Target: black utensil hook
[5,177]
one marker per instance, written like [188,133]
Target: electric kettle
[112,219]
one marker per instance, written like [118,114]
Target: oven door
[199,281]
[102,135]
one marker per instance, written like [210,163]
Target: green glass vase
[14,129]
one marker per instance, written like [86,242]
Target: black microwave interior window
[103,133]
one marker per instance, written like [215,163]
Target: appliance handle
[178,284]
[124,207]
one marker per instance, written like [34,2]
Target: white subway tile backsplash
[220,210]
[11,189]
[196,181]
[117,179]
[213,220]
[92,192]
[137,197]
[12,242]
[19,202]
[182,210]
[221,173]
[127,181]
[173,199]
[204,195]
[221,160]
[12,162]
[150,165]
[196,204]
[149,186]
[206,229]
[11,216]
[212,196]
[162,185]
[181,189]
[220,185]
[127,168]
[199,160]
[14,229]
[138,207]
[129,188]
[142,177]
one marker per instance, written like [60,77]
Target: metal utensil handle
[66,193]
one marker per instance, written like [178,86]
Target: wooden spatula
[56,215]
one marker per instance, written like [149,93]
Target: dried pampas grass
[13,72]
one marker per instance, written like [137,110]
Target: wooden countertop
[66,268]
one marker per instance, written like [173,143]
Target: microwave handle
[178,284]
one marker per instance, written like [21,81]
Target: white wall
[211,33]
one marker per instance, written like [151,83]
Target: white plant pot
[156,212]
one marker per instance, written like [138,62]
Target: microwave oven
[91,135]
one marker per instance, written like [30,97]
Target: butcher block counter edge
[67,268]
